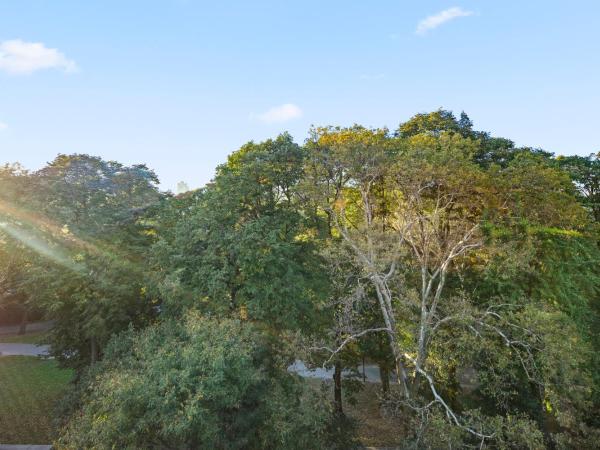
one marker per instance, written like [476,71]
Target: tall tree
[412,211]
[243,229]
[80,218]
[13,260]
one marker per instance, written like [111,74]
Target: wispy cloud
[19,57]
[3,126]
[281,113]
[431,22]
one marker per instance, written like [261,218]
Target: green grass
[37,337]
[29,388]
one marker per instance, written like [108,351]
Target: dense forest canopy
[435,251]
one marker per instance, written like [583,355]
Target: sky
[180,84]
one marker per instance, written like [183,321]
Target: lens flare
[39,245]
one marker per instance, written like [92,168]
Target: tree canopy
[464,267]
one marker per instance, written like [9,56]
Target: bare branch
[346,341]
[450,414]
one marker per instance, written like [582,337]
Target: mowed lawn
[29,388]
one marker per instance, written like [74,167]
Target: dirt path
[10,349]
[25,447]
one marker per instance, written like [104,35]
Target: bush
[200,384]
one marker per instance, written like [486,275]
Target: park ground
[30,388]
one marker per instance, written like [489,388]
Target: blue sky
[179,84]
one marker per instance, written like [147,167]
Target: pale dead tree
[377,251]
[437,228]
[356,167]
[400,215]
[434,244]
[422,225]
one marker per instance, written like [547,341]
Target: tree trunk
[337,388]
[23,326]
[384,373]
[93,351]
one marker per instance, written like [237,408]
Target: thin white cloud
[281,113]
[3,126]
[440,18]
[20,58]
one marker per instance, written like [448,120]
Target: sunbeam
[39,246]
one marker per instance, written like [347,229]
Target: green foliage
[200,383]
[435,123]
[77,225]
[550,281]
[91,196]
[507,433]
[13,262]
[243,230]
[585,173]
[490,150]
[539,193]
[212,285]
[489,182]
[13,268]
[104,296]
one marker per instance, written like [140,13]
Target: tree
[199,383]
[13,268]
[14,259]
[435,123]
[213,251]
[411,210]
[490,149]
[342,318]
[80,218]
[585,173]
[243,229]
[346,295]
[537,192]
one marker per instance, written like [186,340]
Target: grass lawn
[37,337]
[29,388]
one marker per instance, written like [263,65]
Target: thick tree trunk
[24,318]
[337,387]
[93,351]
[384,373]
